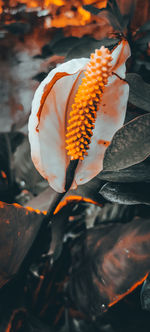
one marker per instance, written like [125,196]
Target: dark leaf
[16,138]
[120,13]
[22,321]
[124,193]
[139,91]
[40,76]
[46,51]
[25,173]
[85,193]
[108,262]
[18,28]
[45,295]
[85,213]
[85,47]
[80,325]
[130,145]
[114,15]
[135,173]
[19,227]
[143,40]
[145,294]
[6,155]
[115,213]
[93,10]
[59,229]
[144,27]
[62,46]
[47,201]
[8,142]
[141,15]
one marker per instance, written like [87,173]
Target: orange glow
[54,2]
[37,211]
[3,174]
[29,3]
[70,17]
[59,315]
[19,323]
[74,198]
[70,12]
[1,6]
[2,205]
[98,4]
[120,297]
[86,16]
[87,101]
[28,208]
[8,329]
[101,4]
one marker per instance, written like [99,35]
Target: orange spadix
[87,100]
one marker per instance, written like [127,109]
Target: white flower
[51,107]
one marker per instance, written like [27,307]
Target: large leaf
[130,145]
[88,192]
[86,46]
[144,27]
[127,193]
[136,173]
[19,227]
[108,262]
[142,42]
[63,45]
[139,91]
[25,174]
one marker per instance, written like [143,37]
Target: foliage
[71,269]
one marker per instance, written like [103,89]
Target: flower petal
[120,55]
[47,122]
[110,117]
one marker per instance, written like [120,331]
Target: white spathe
[48,120]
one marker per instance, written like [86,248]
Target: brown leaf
[142,14]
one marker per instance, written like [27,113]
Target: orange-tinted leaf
[19,227]
[108,263]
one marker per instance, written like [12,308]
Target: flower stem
[70,173]
[49,218]
[58,197]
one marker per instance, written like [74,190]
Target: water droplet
[103,307]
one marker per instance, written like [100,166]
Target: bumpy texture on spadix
[50,114]
[87,100]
